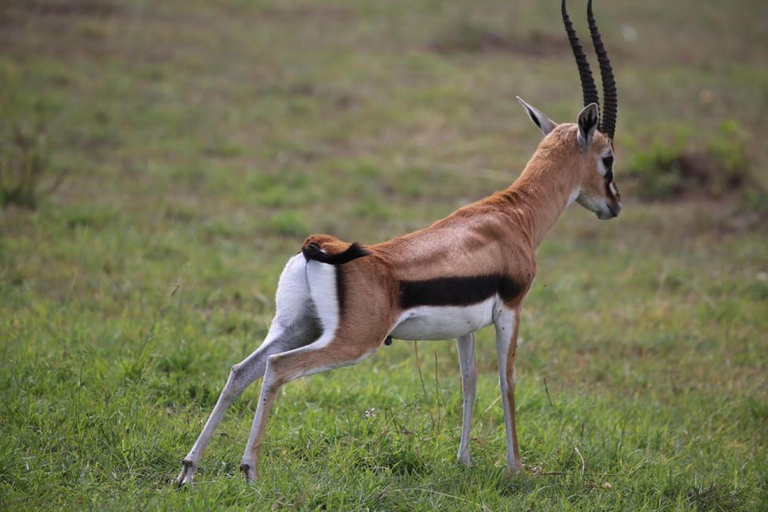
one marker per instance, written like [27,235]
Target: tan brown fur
[496,235]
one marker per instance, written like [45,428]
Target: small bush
[666,171]
[25,156]
[656,171]
[729,149]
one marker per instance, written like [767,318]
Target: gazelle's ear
[544,123]
[587,121]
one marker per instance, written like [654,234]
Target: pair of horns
[588,87]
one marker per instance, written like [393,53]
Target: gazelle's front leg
[466,346]
[507,325]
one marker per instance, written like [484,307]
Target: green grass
[202,141]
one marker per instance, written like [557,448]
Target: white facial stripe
[612,188]
[602,170]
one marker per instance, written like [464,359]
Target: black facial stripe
[457,291]
[608,165]
[340,288]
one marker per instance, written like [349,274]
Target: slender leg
[507,325]
[282,368]
[278,340]
[466,346]
[295,324]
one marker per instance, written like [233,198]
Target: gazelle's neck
[544,189]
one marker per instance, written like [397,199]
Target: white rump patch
[292,291]
[322,288]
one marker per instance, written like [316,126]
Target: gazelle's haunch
[337,303]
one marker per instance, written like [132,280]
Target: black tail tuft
[312,251]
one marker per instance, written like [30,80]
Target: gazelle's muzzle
[609,212]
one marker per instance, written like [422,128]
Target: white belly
[441,323]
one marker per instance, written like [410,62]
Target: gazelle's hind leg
[295,325]
[324,354]
[466,346]
[349,335]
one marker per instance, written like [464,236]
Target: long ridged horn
[588,88]
[610,96]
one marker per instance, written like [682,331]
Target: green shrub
[729,149]
[656,171]
[25,156]
[669,170]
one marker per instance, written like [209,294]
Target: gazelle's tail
[315,249]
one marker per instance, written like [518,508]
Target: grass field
[200,142]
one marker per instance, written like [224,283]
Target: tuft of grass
[26,169]
[666,171]
[729,149]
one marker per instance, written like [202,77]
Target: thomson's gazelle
[337,303]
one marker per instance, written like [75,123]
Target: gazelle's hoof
[249,472]
[187,471]
[464,460]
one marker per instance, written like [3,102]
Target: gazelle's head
[589,142]
[588,155]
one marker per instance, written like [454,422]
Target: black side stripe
[457,291]
[340,289]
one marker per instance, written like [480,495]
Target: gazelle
[337,303]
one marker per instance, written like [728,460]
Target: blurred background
[160,161]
